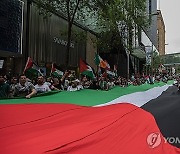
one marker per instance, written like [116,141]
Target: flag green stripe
[84,97]
[88,73]
[31,73]
[55,74]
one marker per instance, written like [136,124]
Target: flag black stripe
[166,111]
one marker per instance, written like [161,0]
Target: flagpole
[26,65]
[78,69]
[51,67]
[97,72]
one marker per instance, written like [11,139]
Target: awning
[139,53]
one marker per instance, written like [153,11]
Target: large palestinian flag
[132,120]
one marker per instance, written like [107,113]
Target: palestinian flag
[55,72]
[31,69]
[85,69]
[69,122]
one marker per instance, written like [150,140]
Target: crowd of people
[24,87]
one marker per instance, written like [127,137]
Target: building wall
[152,12]
[161,34]
[43,41]
[48,41]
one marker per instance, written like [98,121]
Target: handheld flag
[85,69]
[31,69]
[55,72]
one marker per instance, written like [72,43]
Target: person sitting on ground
[4,88]
[24,88]
[40,87]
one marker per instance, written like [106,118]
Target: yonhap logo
[154,140]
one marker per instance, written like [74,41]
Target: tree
[112,17]
[72,10]
[121,17]
[157,60]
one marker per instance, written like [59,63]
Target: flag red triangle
[29,64]
[53,69]
[82,66]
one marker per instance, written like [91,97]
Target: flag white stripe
[139,98]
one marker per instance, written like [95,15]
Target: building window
[11,22]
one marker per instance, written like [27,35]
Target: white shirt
[70,88]
[79,87]
[42,88]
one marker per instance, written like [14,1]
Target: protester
[85,82]
[13,83]
[57,84]
[24,88]
[48,81]
[40,87]
[79,84]
[103,83]
[4,88]
[72,86]
[68,81]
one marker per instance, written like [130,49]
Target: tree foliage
[156,60]
[121,16]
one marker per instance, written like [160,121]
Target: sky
[171,15]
